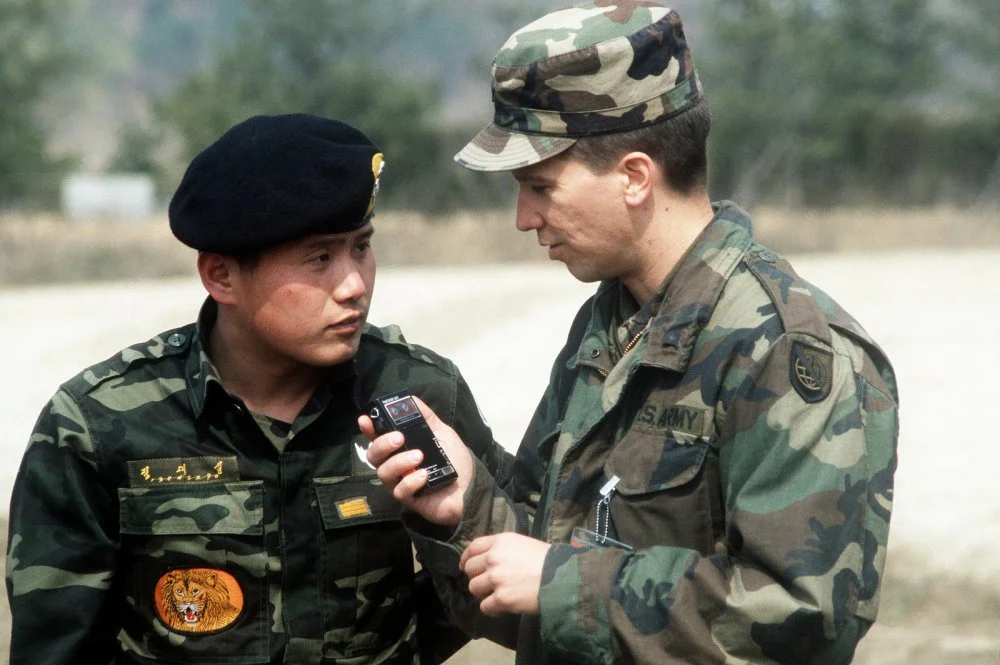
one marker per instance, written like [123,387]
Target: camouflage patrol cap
[275,178]
[596,68]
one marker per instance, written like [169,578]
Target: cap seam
[552,58]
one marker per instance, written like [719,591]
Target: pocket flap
[221,508]
[651,459]
[350,500]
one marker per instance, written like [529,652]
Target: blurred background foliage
[815,102]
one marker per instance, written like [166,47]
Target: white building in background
[114,196]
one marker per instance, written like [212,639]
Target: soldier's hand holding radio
[417,456]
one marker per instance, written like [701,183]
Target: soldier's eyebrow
[340,238]
[522,173]
[530,177]
[361,237]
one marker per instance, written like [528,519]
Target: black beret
[276,178]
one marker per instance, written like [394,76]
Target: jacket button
[595,353]
[176,339]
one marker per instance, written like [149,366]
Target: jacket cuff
[440,548]
[574,601]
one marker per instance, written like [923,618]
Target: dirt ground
[936,313]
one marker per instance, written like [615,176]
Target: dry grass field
[39,250]
[919,280]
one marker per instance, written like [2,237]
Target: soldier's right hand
[397,469]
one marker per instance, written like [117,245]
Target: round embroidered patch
[198,600]
[811,372]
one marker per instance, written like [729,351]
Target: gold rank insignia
[354,507]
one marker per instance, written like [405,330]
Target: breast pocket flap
[211,508]
[350,501]
[651,459]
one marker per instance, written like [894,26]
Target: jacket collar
[681,308]
[205,385]
[201,373]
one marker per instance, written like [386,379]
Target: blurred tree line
[815,102]
[33,54]
[822,102]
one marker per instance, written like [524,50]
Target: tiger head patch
[198,600]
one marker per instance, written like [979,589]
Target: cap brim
[496,149]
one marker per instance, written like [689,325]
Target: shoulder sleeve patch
[811,372]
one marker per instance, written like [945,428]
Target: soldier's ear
[638,173]
[217,272]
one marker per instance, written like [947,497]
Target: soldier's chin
[584,273]
[337,354]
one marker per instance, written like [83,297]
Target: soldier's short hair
[679,145]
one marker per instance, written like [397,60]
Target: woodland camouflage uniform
[751,428]
[155,518]
[144,464]
[714,467]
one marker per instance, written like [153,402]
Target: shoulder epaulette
[794,298]
[804,308]
[392,335]
[164,345]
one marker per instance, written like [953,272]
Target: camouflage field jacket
[742,451]
[155,519]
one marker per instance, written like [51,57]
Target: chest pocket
[666,487]
[367,570]
[194,568]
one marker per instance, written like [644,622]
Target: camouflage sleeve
[808,492]
[494,506]
[438,637]
[62,546]
[487,510]
[443,606]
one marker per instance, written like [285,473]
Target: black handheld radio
[398,412]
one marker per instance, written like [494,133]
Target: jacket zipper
[628,347]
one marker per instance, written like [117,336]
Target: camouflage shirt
[156,519]
[741,452]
